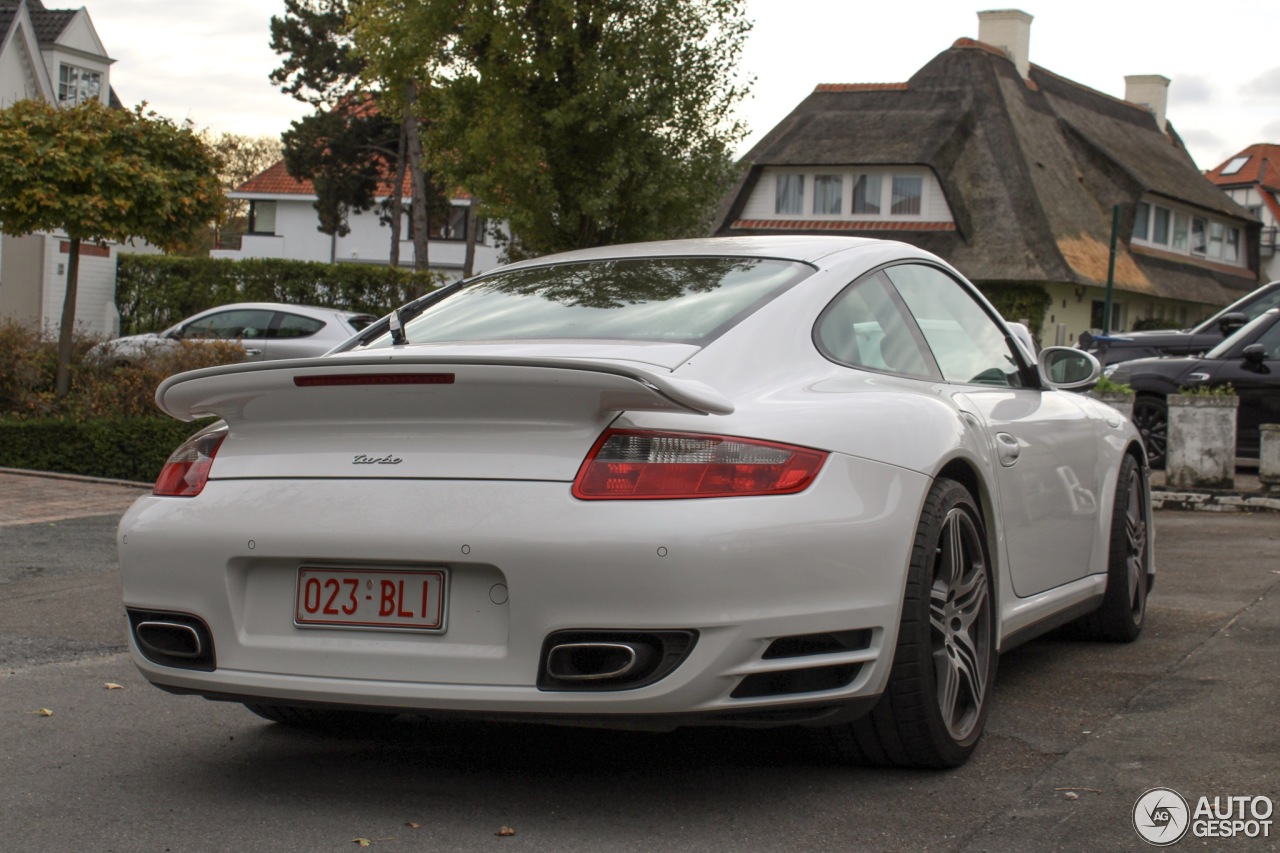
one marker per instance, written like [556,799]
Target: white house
[283,224]
[53,55]
[1252,179]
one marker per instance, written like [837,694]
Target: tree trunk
[397,201]
[469,263]
[420,199]
[62,385]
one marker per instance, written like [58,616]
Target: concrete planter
[1202,441]
[1269,458]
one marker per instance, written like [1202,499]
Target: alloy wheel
[960,623]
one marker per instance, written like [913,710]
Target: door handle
[1007,449]
[253,352]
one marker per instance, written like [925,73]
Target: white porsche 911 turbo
[747,481]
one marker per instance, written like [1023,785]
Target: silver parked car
[743,481]
[267,330]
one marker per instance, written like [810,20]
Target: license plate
[401,600]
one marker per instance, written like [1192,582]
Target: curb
[1216,501]
[76,478]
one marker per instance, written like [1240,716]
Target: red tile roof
[1262,167]
[840,225]
[277,181]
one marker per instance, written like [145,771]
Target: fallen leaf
[413,825]
[363,842]
[111,685]
[506,830]
[44,712]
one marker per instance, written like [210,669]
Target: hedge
[118,448]
[1017,301]
[155,291]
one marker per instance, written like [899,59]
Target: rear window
[684,300]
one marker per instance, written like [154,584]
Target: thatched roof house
[1011,173]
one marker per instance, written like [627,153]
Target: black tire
[1151,417]
[934,707]
[1124,607]
[318,718]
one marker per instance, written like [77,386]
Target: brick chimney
[1151,91]
[1009,30]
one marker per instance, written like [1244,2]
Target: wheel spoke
[969,668]
[948,685]
[970,597]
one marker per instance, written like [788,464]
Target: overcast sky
[208,62]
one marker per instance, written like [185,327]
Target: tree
[100,174]
[353,141]
[580,122]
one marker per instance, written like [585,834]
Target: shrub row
[119,448]
[108,426]
[155,291]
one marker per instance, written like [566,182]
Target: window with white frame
[77,85]
[262,217]
[1186,234]
[789,197]
[872,192]
[866,195]
[908,190]
[1180,222]
[828,194]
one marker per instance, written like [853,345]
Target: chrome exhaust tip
[170,639]
[576,662]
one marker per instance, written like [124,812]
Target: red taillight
[187,468]
[636,465]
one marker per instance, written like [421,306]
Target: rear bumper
[526,559]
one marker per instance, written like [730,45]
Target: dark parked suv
[1201,338]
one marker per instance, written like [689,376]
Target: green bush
[155,291]
[118,448]
[1017,302]
[99,388]
[108,425]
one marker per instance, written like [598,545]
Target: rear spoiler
[230,390]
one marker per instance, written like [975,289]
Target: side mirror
[1228,323]
[1068,368]
[1255,354]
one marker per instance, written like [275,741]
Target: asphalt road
[1078,731]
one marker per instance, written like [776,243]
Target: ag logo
[1161,817]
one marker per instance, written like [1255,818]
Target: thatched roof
[1031,170]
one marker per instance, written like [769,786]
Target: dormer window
[828,194]
[77,85]
[866,195]
[1179,231]
[790,194]
[851,198]
[907,191]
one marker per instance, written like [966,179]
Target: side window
[867,326]
[296,326]
[1270,339]
[230,325]
[967,344]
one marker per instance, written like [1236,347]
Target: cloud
[1264,87]
[1271,132]
[1192,89]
